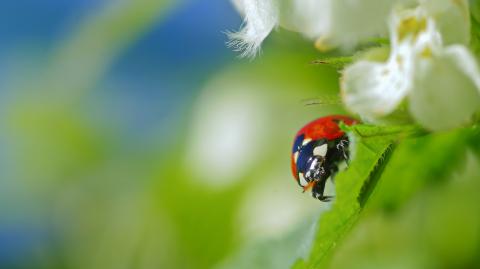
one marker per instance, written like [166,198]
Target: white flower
[330,22]
[442,83]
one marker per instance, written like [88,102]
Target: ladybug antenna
[324,100]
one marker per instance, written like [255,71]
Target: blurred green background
[131,137]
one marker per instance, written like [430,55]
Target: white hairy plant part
[339,23]
[330,23]
[261,16]
[441,82]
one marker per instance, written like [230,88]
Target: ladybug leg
[333,172]
[342,146]
[326,198]
[318,190]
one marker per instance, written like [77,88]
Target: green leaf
[418,163]
[383,180]
[335,62]
[474,140]
[475,28]
[371,146]
[424,213]
[378,53]
[475,9]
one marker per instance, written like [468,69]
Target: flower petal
[452,19]
[374,89]
[338,22]
[354,21]
[312,18]
[447,89]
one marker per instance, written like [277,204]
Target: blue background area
[148,88]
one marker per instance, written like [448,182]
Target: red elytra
[325,127]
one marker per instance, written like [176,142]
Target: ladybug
[318,149]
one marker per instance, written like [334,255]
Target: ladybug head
[310,160]
[315,171]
